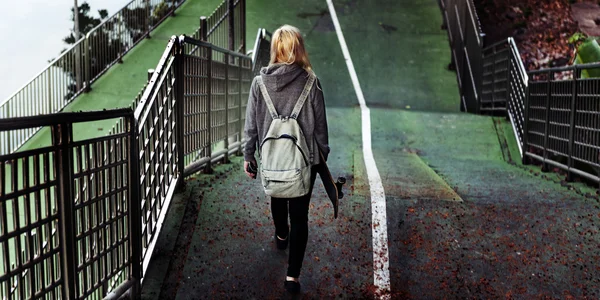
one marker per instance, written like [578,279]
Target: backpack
[285,167]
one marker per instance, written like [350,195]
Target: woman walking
[284,90]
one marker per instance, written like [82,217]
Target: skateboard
[332,187]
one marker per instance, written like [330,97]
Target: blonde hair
[287,47]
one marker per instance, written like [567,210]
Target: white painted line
[381,265]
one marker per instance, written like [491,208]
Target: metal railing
[225,27]
[555,122]
[67,210]
[563,121]
[261,53]
[79,66]
[504,85]
[214,113]
[466,43]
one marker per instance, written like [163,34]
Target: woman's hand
[246,165]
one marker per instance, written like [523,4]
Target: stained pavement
[512,233]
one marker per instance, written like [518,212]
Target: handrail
[186,39]
[7,124]
[51,64]
[157,72]
[522,69]
[261,52]
[262,33]
[566,68]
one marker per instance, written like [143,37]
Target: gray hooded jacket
[285,84]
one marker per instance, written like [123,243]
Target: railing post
[209,57]
[226,157]
[150,74]
[525,147]
[120,42]
[135,223]
[61,137]
[508,79]
[243,25]
[78,71]
[241,114]
[231,20]
[572,124]
[203,29]
[180,108]
[50,89]
[88,64]
[547,121]
[148,18]
[494,78]
[9,134]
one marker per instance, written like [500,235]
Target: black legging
[299,219]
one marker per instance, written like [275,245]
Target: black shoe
[281,244]
[292,287]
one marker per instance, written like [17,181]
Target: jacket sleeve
[321,131]
[250,128]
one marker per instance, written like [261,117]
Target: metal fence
[214,108]
[79,66]
[555,121]
[66,210]
[563,121]
[466,43]
[505,85]
[225,27]
[261,53]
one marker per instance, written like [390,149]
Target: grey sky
[31,33]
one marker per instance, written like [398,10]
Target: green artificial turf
[119,86]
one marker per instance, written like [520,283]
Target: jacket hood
[277,76]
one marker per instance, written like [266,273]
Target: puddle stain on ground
[323,23]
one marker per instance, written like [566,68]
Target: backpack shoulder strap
[267,98]
[307,87]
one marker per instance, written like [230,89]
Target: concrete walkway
[462,222]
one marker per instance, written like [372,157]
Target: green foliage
[577,37]
[86,21]
[160,10]
[588,52]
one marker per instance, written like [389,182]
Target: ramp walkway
[122,83]
[463,217]
[462,220]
